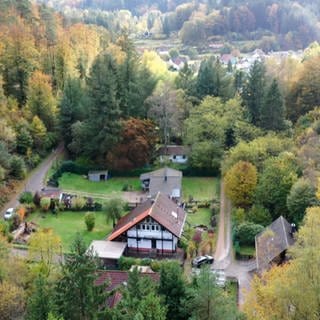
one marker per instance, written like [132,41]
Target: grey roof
[173,150]
[271,242]
[165,180]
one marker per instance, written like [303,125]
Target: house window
[174,157]
[152,227]
[143,227]
[138,226]
[184,156]
[147,227]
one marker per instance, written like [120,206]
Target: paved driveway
[35,181]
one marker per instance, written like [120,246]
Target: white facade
[174,158]
[148,234]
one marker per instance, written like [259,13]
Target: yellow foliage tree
[240,183]
[44,247]
[291,291]
[12,301]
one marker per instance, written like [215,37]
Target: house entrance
[153,243]
[102,177]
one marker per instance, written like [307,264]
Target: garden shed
[99,175]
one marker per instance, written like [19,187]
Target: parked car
[9,214]
[201,260]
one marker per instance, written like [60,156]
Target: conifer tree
[254,92]
[272,111]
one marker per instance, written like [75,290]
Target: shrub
[90,220]
[21,211]
[245,233]
[4,227]
[37,199]
[155,265]
[15,222]
[259,215]
[45,204]
[78,203]
[125,263]
[26,197]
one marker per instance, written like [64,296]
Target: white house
[152,226]
[173,153]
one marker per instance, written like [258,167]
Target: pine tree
[39,306]
[272,111]
[102,128]
[70,107]
[254,92]
[77,295]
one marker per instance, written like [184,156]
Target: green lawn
[68,223]
[201,217]
[200,188]
[71,181]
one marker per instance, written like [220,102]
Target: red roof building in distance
[155,225]
[116,279]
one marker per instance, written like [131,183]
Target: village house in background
[174,154]
[165,180]
[153,227]
[273,242]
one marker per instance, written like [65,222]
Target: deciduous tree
[240,183]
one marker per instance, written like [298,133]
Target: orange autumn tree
[138,139]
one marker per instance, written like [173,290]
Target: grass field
[70,181]
[197,187]
[200,188]
[68,223]
[201,217]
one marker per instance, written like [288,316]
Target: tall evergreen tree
[77,295]
[272,111]
[39,305]
[254,91]
[173,290]
[102,127]
[70,107]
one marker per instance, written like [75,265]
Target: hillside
[273,24]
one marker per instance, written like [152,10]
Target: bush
[37,198]
[90,220]
[125,263]
[78,203]
[245,233]
[155,265]
[26,197]
[15,222]
[259,215]
[45,204]
[4,227]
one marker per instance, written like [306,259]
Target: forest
[86,86]
[274,24]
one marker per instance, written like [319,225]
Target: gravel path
[224,259]
[35,181]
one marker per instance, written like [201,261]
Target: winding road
[35,180]
[224,259]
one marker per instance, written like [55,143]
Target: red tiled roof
[165,211]
[115,279]
[173,150]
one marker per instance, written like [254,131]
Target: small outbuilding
[99,175]
[109,252]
